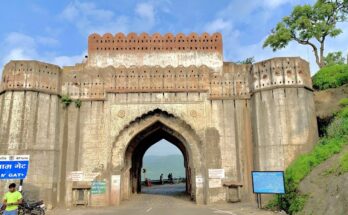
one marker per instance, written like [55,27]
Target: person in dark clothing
[161,178]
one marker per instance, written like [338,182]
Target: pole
[20,185]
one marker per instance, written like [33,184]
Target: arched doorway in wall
[138,147]
[139,135]
[163,171]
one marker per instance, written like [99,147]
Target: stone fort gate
[100,116]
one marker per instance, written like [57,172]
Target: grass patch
[343,166]
[343,102]
[331,77]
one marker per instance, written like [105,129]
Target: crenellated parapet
[280,72]
[90,83]
[155,50]
[31,75]
[154,43]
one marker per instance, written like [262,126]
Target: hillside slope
[327,101]
[326,188]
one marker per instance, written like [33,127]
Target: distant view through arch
[163,171]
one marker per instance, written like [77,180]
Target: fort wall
[246,117]
[284,121]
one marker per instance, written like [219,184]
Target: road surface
[164,200]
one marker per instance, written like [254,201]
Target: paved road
[165,200]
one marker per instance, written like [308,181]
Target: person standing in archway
[161,178]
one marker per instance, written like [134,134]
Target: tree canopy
[333,58]
[310,25]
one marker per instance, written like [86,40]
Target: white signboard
[215,183]
[115,189]
[81,176]
[90,176]
[116,180]
[199,181]
[76,176]
[216,173]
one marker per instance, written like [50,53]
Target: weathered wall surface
[29,125]
[283,113]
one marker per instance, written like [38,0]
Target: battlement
[31,75]
[154,43]
[155,50]
[280,72]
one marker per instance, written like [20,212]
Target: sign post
[267,182]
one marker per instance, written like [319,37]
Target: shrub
[66,100]
[331,77]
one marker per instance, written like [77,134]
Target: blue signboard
[268,182]
[13,166]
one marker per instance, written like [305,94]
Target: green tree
[333,58]
[310,25]
[249,60]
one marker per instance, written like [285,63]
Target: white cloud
[47,41]
[18,46]
[89,18]
[250,16]
[218,25]
[145,10]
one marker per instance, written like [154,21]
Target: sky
[57,31]
[163,147]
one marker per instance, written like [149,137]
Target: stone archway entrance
[142,142]
[133,141]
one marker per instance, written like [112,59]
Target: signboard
[199,181]
[89,176]
[216,173]
[83,176]
[115,189]
[268,182]
[215,183]
[76,176]
[98,187]
[13,166]
[116,181]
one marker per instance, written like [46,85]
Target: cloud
[145,10]
[244,25]
[89,18]
[218,25]
[19,46]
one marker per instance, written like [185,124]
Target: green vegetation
[344,102]
[310,25]
[343,166]
[337,136]
[331,77]
[334,58]
[66,100]
[78,103]
[249,60]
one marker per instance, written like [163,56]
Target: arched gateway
[86,127]
[140,134]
